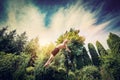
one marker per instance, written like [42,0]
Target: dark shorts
[55,51]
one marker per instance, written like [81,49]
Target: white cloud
[78,18]
[31,20]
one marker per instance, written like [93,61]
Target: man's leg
[49,60]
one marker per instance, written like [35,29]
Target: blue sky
[48,19]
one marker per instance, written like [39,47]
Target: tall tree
[114,43]
[76,43]
[112,61]
[101,49]
[94,54]
[86,58]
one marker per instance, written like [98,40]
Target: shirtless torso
[61,46]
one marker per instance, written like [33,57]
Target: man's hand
[68,50]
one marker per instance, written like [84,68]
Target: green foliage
[32,48]
[75,44]
[12,66]
[106,67]
[94,54]
[86,58]
[90,73]
[101,49]
[43,56]
[50,73]
[29,73]
[20,43]
[112,61]
[28,64]
[20,73]
[71,76]
[72,35]
[30,69]
[8,65]
[102,52]
[114,43]
[11,42]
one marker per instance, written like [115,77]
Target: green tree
[10,42]
[7,42]
[114,43]
[32,48]
[86,58]
[76,43]
[112,61]
[94,54]
[20,43]
[101,49]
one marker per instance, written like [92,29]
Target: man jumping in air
[63,45]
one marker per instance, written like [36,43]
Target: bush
[90,73]
[8,65]
[20,73]
[13,67]
[50,73]
[71,76]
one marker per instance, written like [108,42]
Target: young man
[63,45]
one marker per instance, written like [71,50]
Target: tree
[20,43]
[114,43]
[7,41]
[10,42]
[101,49]
[112,61]
[76,43]
[86,58]
[94,54]
[32,48]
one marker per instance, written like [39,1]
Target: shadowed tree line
[21,59]
[11,42]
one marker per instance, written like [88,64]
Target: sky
[48,19]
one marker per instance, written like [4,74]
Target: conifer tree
[94,54]
[114,43]
[101,49]
[86,58]
[112,62]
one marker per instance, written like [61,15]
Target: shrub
[90,73]
[13,66]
